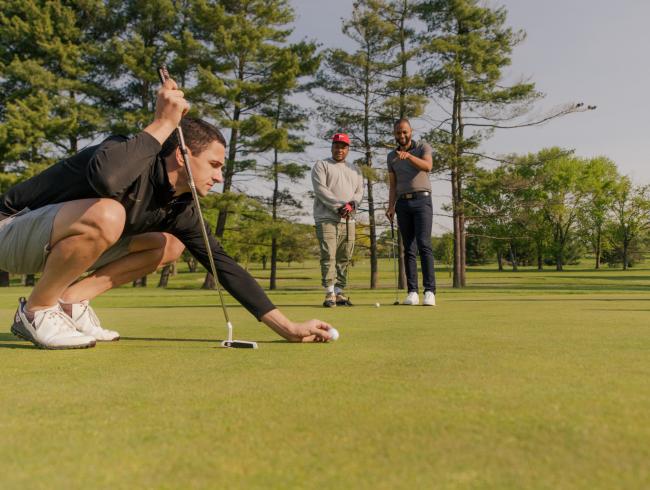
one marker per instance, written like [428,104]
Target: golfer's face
[339,151]
[207,167]
[402,134]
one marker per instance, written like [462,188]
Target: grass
[522,380]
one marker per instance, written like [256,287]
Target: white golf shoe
[87,323]
[50,329]
[412,299]
[429,299]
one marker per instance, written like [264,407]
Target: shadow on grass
[211,341]
[18,346]
[15,342]
[559,288]
[542,300]
[619,309]
[216,305]
[167,339]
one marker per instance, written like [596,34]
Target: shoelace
[62,321]
[93,317]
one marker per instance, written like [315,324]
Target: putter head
[396,303]
[239,344]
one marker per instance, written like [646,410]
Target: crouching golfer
[338,189]
[120,210]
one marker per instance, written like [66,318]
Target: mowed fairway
[522,380]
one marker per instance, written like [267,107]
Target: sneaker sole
[25,336]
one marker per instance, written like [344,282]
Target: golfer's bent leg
[81,232]
[147,252]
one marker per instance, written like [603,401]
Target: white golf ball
[334,333]
[377,305]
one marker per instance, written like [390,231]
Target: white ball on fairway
[377,305]
[334,333]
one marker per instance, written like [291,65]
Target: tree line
[73,71]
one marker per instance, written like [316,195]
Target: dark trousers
[415,218]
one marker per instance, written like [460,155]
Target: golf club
[392,241]
[241,344]
[347,265]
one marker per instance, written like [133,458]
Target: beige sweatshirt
[335,183]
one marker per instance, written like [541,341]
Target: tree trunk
[274,212]
[457,280]
[273,284]
[191,264]
[140,283]
[208,282]
[540,258]
[513,258]
[164,276]
[598,247]
[625,249]
[500,259]
[374,267]
[264,260]
[230,163]
[559,260]
[4,279]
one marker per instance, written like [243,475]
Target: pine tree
[280,137]
[466,49]
[247,66]
[358,78]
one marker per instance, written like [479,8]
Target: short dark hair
[400,121]
[198,135]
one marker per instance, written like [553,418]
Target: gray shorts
[25,241]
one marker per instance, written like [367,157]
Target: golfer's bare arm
[392,193]
[309,331]
[425,164]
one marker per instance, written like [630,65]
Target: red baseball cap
[341,138]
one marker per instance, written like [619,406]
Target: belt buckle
[409,195]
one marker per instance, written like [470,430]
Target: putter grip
[163,73]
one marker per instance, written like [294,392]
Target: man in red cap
[338,189]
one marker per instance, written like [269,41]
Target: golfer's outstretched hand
[309,331]
[312,331]
[171,106]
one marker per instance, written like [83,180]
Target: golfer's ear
[179,157]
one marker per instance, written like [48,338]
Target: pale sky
[594,51]
[591,51]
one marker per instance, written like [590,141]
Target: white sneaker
[429,299]
[412,299]
[87,323]
[51,329]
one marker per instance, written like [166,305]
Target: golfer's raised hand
[312,331]
[170,108]
[403,155]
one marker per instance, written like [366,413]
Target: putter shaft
[164,75]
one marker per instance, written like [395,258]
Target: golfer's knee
[104,221]
[173,249]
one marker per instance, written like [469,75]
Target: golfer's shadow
[16,343]
[215,341]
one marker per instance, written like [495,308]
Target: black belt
[413,195]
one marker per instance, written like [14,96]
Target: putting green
[523,380]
